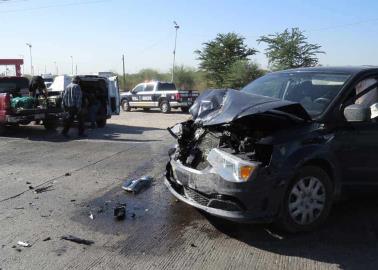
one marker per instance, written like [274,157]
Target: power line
[54,6]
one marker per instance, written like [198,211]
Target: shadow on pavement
[348,239]
[111,132]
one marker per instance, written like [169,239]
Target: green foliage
[218,56]
[290,49]
[241,73]
[185,78]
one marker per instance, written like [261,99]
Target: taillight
[178,96]
[5,101]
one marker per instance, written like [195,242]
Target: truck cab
[157,94]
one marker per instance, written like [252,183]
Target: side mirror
[357,113]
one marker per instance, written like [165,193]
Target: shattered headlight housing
[176,131]
[230,167]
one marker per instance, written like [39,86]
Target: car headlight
[230,167]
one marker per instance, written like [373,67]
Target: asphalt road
[85,176]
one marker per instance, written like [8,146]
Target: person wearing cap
[72,100]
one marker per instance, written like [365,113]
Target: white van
[106,90]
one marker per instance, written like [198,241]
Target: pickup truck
[12,87]
[158,94]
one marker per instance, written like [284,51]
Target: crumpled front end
[224,168]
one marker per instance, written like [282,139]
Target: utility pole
[56,68]
[76,69]
[174,51]
[124,74]
[72,65]
[31,59]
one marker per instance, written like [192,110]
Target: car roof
[342,69]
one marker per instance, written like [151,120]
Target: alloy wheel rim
[165,107]
[125,106]
[307,200]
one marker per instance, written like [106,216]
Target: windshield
[313,90]
[13,84]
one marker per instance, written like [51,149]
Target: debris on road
[31,187]
[193,245]
[43,189]
[28,183]
[46,239]
[73,200]
[23,244]
[19,208]
[120,211]
[77,240]
[136,185]
[67,174]
[91,216]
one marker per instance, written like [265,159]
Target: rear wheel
[165,107]
[184,109]
[2,129]
[101,123]
[307,201]
[125,106]
[50,125]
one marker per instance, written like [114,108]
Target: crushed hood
[221,106]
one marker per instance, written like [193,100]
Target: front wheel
[125,106]
[101,123]
[307,201]
[165,107]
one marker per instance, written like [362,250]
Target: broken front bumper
[251,201]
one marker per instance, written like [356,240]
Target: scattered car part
[77,240]
[23,244]
[120,211]
[136,185]
[43,189]
[46,239]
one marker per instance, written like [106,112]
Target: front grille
[206,144]
[196,196]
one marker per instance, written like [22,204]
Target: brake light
[178,96]
[5,101]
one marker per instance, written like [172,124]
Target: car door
[135,95]
[146,96]
[357,146]
[113,95]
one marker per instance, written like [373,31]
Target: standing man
[72,100]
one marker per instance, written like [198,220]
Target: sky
[97,32]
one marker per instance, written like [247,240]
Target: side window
[149,87]
[370,98]
[139,88]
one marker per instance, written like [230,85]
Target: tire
[165,107]
[125,105]
[50,125]
[101,123]
[146,109]
[185,109]
[2,129]
[307,201]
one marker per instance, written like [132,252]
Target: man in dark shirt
[72,100]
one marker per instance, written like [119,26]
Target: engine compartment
[242,138]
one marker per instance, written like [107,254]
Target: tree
[185,77]
[290,49]
[218,55]
[242,72]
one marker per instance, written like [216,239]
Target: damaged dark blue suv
[282,149]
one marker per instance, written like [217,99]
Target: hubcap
[164,107]
[125,106]
[307,200]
